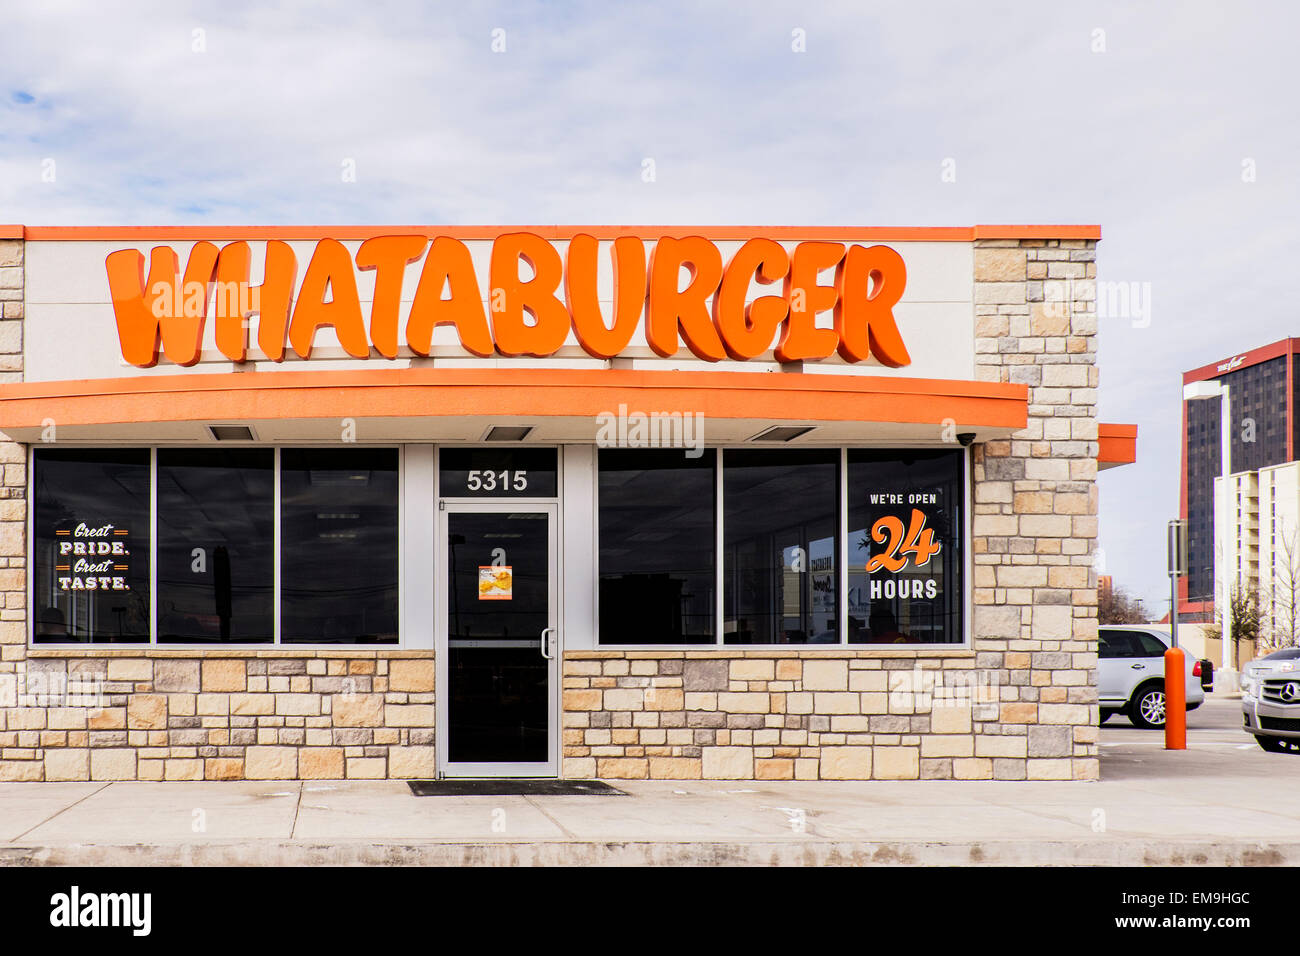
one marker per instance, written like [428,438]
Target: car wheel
[1147,709]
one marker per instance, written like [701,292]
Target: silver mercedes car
[1270,700]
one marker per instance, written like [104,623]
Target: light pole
[1219,390]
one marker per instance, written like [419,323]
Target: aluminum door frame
[551,766]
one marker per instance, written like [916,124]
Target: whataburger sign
[166,309]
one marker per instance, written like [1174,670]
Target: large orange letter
[801,338]
[688,309]
[748,330]
[147,311]
[388,256]
[628,256]
[511,297]
[871,281]
[236,300]
[448,264]
[330,268]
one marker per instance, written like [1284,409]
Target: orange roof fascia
[381,393]
[557,232]
[11,231]
[1117,444]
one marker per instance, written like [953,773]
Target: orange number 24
[918,541]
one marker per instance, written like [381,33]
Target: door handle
[1139,667]
[546,643]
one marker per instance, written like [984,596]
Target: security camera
[966,439]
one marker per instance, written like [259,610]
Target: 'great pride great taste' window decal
[96,558]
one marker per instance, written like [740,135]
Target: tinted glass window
[91,546]
[905,546]
[1150,646]
[656,547]
[1123,644]
[216,546]
[781,522]
[339,550]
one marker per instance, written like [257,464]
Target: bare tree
[1282,593]
[1247,620]
[1117,606]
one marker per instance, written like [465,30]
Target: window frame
[252,649]
[718,644]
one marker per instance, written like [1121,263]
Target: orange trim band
[1116,444]
[557,232]
[11,231]
[399,393]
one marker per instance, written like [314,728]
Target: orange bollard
[1175,700]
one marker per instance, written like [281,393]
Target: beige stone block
[25,718]
[676,768]
[896,763]
[728,763]
[753,669]
[579,768]
[624,698]
[950,720]
[774,768]
[224,675]
[1019,712]
[744,702]
[825,675]
[67,764]
[846,703]
[622,768]
[297,705]
[183,769]
[321,763]
[224,768]
[254,705]
[112,763]
[406,763]
[1000,265]
[211,705]
[665,698]
[151,770]
[877,681]
[14,771]
[412,676]
[799,703]
[846,763]
[789,669]
[947,745]
[66,718]
[130,669]
[972,768]
[146,712]
[410,715]
[271,763]
[575,699]
[357,710]
[1049,769]
[366,768]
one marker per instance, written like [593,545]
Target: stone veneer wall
[830,714]
[270,715]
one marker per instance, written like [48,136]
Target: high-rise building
[1262,391]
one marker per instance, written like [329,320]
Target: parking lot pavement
[1217,748]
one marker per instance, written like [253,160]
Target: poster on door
[495,583]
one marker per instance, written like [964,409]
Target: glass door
[498,645]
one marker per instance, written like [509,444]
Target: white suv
[1131,674]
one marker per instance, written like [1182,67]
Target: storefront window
[905,547]
[91,546]
[780,526]
[216,545]
[339,546]
[657,549]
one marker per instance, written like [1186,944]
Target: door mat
[513,787]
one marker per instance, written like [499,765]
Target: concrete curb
[634,853]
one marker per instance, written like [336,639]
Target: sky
[1174,126]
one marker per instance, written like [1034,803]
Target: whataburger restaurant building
[397,502]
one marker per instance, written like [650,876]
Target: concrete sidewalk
[1213,804]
